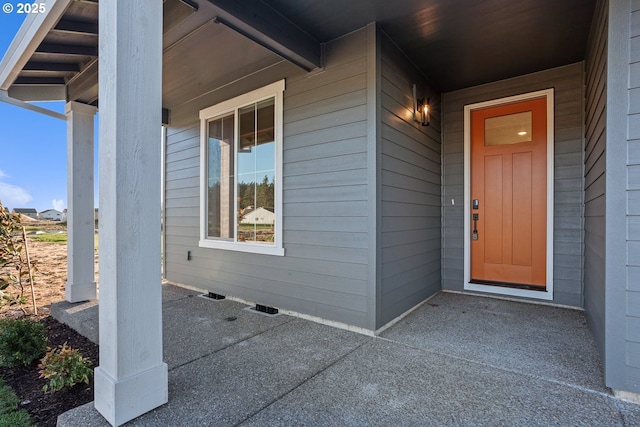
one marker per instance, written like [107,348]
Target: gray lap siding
[325,236]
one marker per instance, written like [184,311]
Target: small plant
[64,366]
[16,269]
[21,341]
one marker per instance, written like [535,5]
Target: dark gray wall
[568,186]
[326,232]
[595,177]
[410,191]
[622,259]
[633,201]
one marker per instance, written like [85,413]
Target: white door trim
[548,295]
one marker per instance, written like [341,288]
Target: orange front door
[509,194]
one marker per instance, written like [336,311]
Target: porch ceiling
[456,43]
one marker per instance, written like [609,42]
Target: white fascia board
[4,97]
[30,35]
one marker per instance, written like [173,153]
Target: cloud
[58,204]
[2,174]
[12,195]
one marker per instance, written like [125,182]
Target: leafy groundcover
[44,408]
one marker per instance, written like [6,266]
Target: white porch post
[81,285]
[131,378]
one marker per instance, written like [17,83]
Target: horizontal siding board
[428,248]
[299,95]
[188,163]
[634,152]
[189,195]
[327,164]
[187,153]
[395,223]
[396,129]
[397,239]
[342,133]
[182,174]
[633,278]
[402,150]
[180,184]
[431,213]
[327,238]
[324,223]
[345,101]
[402,180]
[326,179]
[403,195]
[324,121]
[186,201]
[340,193]
[309,251]
[329,149]
[335,209]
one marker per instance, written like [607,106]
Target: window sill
[242,247]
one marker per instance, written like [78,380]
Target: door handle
[474,235]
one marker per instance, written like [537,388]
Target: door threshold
[527,287]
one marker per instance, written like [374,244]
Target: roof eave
[29,36]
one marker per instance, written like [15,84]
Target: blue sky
[33,147]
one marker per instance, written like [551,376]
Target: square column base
[628,396]
[76,292]
[124,400]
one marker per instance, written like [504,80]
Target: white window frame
[274,90]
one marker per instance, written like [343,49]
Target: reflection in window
[220,178]
[241,174]
[256,173]
[507,129]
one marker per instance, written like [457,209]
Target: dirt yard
[51,260]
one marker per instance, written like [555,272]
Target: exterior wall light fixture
[421,109]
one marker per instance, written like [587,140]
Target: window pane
[508,129]
[220,178]
[256,173]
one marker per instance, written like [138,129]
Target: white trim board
[548,295]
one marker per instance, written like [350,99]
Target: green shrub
[64,366]
[10,415]
[21,341]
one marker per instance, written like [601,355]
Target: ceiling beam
[38,93]
[30,81]
[83,87]
[262,24]
[52,66]
[67,25]
[68,49]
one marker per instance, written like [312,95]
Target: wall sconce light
[421,109]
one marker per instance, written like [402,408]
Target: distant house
[262,216]
[50,214]
[30,212]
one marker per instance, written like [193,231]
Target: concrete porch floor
[458,360]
